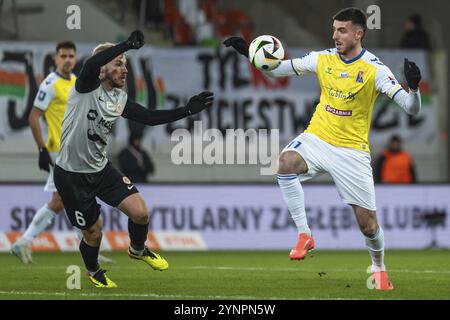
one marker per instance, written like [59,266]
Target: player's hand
[412,74]
[200,102]
[44,159]
[238,44]
[135,40]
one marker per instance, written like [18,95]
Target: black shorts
[79,190]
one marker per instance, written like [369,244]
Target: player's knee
[369,230]
[56,204]
[93,235]
[141,215]
[290,162]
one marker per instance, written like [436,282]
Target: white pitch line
[228,268]
[154,295]
[309,269]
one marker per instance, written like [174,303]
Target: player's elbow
[414,110]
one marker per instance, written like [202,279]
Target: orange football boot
[382,281]
[304,245]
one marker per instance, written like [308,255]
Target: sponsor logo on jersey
[93,136]
[92,114]
[105,124]
[342,113]
[359,78]
[343,75]
[341,95]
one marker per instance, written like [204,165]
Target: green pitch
[233,275]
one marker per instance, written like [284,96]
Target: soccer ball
[265,53]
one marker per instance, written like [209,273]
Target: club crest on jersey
[359,78]
[119,108]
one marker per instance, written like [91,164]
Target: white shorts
[50,185]
[350,168]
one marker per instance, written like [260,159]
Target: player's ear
[359,34]
[102,73]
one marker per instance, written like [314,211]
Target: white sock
[376,250]
[295,200]
[136,252]
[41,220]
[79,233]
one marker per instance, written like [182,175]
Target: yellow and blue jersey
[349,89]
[52,99]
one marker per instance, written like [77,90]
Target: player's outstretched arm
[88,79]
[292,67]
[134,111]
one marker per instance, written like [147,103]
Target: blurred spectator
[395,165]
[189,9]
[134,162]
[415,36]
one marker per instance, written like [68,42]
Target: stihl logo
[43,242]
[174,240]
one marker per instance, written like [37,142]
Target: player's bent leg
[101,258]
[41,220]
[138,213]
[89,249]
[374,237]
[56,203]
[291,164]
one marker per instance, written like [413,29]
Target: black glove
[412,74]
[44,159]
[238,44]
[135,40]
[199,102]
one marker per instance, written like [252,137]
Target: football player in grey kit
[83,172]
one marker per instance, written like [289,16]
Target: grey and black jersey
[92,111]
[86,128]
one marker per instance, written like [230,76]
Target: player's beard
[345,49]
[114,83]
[68,68]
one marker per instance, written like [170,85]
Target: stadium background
[198,207]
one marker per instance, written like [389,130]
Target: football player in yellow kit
[337,138]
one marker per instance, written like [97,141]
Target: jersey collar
[61,76]
[354,59]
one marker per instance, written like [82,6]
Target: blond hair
[101,47]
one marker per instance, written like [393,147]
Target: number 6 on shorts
[80,219]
